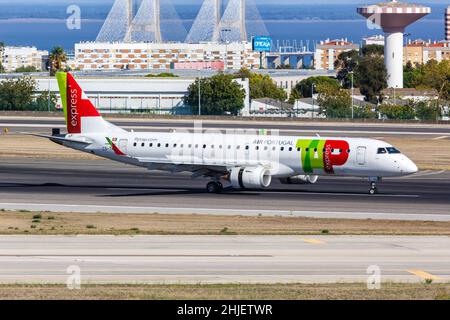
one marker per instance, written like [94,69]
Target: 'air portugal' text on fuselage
[239,160]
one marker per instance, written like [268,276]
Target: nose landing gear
[373,184]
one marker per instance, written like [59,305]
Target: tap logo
[323,154]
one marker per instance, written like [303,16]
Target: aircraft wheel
[373,191]
[214,187]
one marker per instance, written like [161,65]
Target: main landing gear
[373,184]
[214,187]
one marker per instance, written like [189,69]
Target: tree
[334,102]
[262,86]
[57,59]
[372,77]
[432,75]
[428,110]
[345,64]
[25,69]
[436,75]
[305,86]
[397,112]
[219,95]
[17,94]
[373,50]
[45,103]
[294,96]
[412,75]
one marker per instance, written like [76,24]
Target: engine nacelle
[303,179]
[250,178]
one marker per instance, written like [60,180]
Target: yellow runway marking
[424,275]
[313,241]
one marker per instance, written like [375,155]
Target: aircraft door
[361,156]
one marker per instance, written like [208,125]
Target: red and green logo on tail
[114,147]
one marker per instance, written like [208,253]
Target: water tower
[393,17]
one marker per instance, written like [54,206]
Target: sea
[44,25]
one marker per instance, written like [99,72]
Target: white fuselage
[283,156]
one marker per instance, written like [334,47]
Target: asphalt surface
[105,186]
[309,127]
[223,259]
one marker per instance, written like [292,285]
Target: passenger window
[174,145]
[159,145]
[290,148]
[299,149]
[307,149]
[238,147]
[151,145]
[229,147]
[182,146]
[247,147]
[257,148]
[381,151]
[212,146]
[265,148]
[134,144]
[282,149]
[167,145]
[274,148]
[204,146]
[196,146]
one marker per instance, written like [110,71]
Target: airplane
[236,159]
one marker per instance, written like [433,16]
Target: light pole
[199,95]
[353,94]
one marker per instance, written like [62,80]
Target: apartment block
[327,52]
[17,57]
[138,56]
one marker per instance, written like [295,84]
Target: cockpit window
[382,151]
[392,150]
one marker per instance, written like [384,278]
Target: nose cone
[409,167]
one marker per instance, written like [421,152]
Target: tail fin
[81,115]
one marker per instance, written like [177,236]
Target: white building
[135,94]
[17,57]
[161,56]
[378,40]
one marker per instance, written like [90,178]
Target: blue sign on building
[262,44]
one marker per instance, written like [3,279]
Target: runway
[105,186]
[223,259]
[44,125]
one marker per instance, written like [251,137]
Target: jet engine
[303,179]
[250,178]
